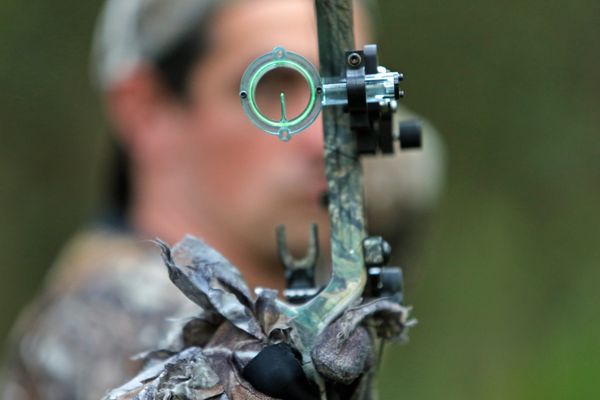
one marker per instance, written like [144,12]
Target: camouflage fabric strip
[209,280]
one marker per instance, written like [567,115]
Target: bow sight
[367,91]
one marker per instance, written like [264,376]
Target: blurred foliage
[507,297]
[52,137]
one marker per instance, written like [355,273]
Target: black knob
[410,135]
[390,281]
[385,282]
[371,60]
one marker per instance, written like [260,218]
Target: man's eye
[277,81]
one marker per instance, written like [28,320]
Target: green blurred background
[507,294]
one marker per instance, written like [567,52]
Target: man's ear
[142,111]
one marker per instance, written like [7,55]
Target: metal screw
[243,94]
[284,135]
[354,59]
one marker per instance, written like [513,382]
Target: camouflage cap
[132,31]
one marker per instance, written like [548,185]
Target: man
[170,72]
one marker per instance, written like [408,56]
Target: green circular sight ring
[271,65]
[280,58]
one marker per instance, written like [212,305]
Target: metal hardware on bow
[299,274]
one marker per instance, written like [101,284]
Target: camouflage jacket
[80,338]
[107,299]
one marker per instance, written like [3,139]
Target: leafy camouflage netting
[205,356]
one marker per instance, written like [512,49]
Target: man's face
[243,180]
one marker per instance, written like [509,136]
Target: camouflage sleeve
[78,342]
